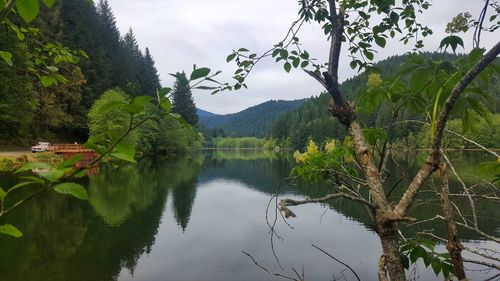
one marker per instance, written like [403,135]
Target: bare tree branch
[269,271]
[291,202]
[337,260]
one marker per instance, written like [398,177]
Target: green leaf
[394,17]
[2,194]
[28,9]
[453,41]
[296,62]
[125,152]
[132,108]
[199,73]
[205,88]
[427,259]
[304,64]
[110,106]
[230,57]
[49,3]
[48,81]
[368,55]
[53,175]
[7,57]
[283,54]
[405,261]
[164,91]
[34,165]
[142,100]
[9,229]
[123,157]
[436,265]
[68,163]
[380,41]
[60,78]
[446,269]
[53,68]
[72,189]
[33,179]
[19,185]
[287,67]
[166,105]
[353,64]
[242,50]
[414,255]
[80,174]
[128,149]
[175,115]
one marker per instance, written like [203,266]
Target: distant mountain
[203,113]
[254,121]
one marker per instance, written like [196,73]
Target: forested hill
[313,121]
[254,121]
[29,110]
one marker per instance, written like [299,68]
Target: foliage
[415,249]
[244,142]
[182,99]
[314,164]
[75,49]
[109,124]
[423,87]
[486,133]
[313,120]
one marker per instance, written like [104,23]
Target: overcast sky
[181,33]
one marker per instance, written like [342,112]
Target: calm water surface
[190,219]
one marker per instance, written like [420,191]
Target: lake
[191,219]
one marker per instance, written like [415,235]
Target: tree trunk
[388,234]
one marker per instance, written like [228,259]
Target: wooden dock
[68,150]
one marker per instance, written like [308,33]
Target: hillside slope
[254,121]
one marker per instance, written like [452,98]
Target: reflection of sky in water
[229,217]
[189,219]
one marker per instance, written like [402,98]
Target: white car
[40,147]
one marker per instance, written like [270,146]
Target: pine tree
[183,102]
[109,39]
[132,64]
[150,81]
[81,29]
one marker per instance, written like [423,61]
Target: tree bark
[453,246]
[388,234]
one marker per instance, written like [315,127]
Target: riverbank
[11,160]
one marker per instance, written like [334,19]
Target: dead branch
[487,264]
[466,190]
[272,272]
[291,202]
[337,260]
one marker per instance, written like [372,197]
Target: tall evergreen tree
[83,29]
[150,80]
[132,64]
[183,102]
[109,38]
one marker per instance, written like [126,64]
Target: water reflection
[189,218]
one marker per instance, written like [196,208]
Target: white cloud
[181,33]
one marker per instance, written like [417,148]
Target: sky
[181,33]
